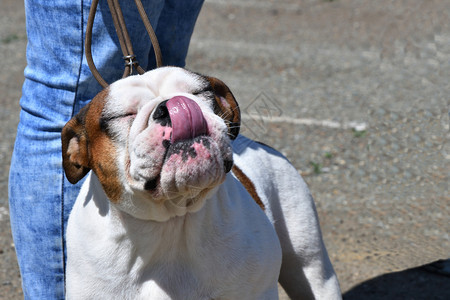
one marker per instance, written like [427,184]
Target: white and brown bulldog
[161,216]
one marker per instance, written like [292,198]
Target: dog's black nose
[161,114]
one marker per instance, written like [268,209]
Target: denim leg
[57,84]
[174,30]
[36,200]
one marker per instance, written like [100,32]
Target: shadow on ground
[412,284]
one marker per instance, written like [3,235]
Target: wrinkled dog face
[158,142]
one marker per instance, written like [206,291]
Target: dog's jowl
[162,214]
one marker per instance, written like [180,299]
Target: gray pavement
[354,93]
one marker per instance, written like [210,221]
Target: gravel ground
[354,93]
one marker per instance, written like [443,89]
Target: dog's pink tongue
[186,117]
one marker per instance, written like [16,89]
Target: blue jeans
[57,84]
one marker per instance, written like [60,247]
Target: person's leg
[35,194]
[58,83]
[36,178]
[174,30]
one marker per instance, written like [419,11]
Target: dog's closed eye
[106,120]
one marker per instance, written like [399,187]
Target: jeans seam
[64,254]
[81,56]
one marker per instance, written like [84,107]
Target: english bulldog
[179,205]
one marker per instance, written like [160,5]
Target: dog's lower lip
[186,148]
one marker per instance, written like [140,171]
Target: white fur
[227,250]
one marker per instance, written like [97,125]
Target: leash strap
[124,39]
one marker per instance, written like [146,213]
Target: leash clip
[130,60]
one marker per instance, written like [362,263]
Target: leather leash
[124,39]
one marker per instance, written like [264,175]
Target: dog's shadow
[417,283]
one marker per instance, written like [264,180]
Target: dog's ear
[75,148]
[226,106]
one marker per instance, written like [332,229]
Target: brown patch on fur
[74,148]
[248,184]
[86,146]
[230,114]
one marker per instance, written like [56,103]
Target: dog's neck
[136,207]
[153,240]
[112,211]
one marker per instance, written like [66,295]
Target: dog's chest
[227,247]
